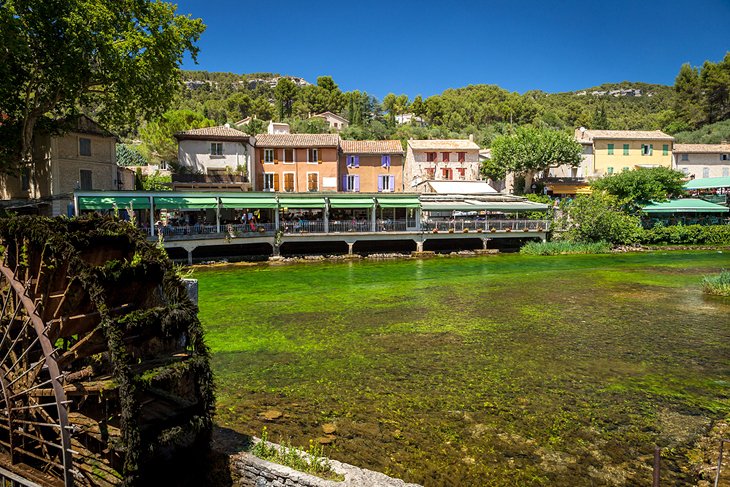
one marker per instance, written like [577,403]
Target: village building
[82,158]
[440,160]
[213,158]
[296,162]
[371,166]
[409,118]
[333,120]
[703,160]
[607,152]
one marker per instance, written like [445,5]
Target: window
[685,157]
[216,148]
[430,157]
[462,172]
[445,156]
[610,149]
[386,183]
[447,173]
[705,172]
[647,149]
[84,146]
[385,161]
[626,149]
[313,156]
[461,156]
[353,161]
[271,181]
[269,156]
[625,168]
[609,170]
[725,157]
[351,183]
[665,149]
[725,172]
[430,172]
[289,182]
[685,170]
[25,179]
[312,181]
[86,179]
[288,156]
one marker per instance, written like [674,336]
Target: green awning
[248,201]
[350,202]
[185,202]
[685,205]
[399,202]
[301,202]
[108,202]
[448,206]
[509,206]
[708,183]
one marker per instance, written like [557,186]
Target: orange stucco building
[371,166]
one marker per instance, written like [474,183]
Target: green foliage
[563,247]
[128,155]
[309,126]
[157,182]
[539,198]
[687,235]
[636,188]
[158,141]
[597,217]
[703,94]
[311,461]
[713,133]
[531,150]
[120,59]
[717,285]
[285,94]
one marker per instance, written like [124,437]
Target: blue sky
[424,47]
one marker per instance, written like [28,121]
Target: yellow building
[610,151]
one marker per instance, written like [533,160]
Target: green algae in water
[509,370]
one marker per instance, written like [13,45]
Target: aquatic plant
[564,247]
[717,285]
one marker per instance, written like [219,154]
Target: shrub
[598,217]
[717,285]
[687,235]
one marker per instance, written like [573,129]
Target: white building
[440,160]
[333,120]
[277,128]
[703,160]
[219,154]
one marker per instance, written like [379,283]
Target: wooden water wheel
[103,369]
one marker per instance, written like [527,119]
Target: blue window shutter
[357,161]
[392,183]
[380,184]
[357,183]
[344,183]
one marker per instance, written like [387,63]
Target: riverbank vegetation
[562,247]
[718,285]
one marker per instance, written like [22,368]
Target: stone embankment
[255,472]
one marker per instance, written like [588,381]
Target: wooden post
[152,217]
[657,457]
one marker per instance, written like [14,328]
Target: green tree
[59,55]
[600,119]
[688,102]
[157,182]
[634,189]
[128,155]
[715,80]
[532,150]
[285,94]
[597,217]
[158,136]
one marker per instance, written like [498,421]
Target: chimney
[471,137]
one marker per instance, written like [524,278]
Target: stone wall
[255,472]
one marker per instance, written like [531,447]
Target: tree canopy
[120,58]
[158,141]
[531,150]
[637,188]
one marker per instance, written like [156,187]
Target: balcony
[230,182]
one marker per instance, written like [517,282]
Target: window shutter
[344,183]
[276,159]
[357,183]
[319,158]
[356,161]
[380,184]
[276,182]
[651,149]
[392,183]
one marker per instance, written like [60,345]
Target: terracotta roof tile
[219,132]
[445,144]
[371,147]
[589,135]
[297,140]
[702,148]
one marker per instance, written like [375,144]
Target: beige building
[84,158]
[371,166]
[333,120]
[440,160]
[703,160]
[296,162]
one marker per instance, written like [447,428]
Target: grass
[559,247]
[311,461]
[717,285]
[520,369]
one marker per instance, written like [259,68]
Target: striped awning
[249,201]
[301,202]
[350,202]
[399,201]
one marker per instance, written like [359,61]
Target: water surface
[505,370]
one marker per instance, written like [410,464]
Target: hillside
[715,133]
